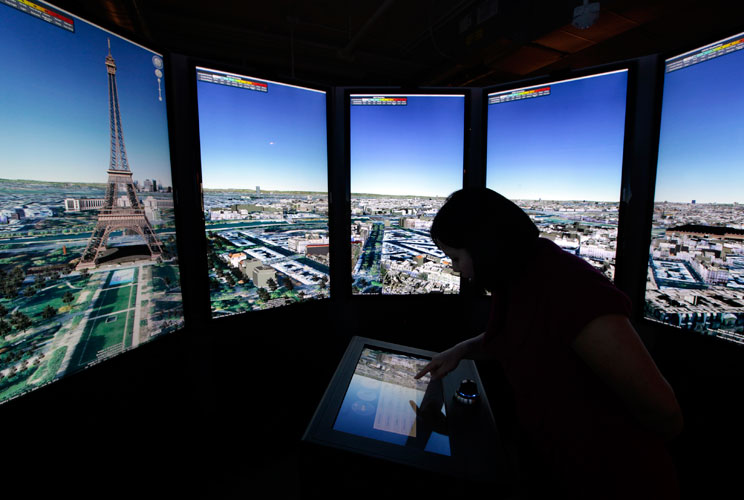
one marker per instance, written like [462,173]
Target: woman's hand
[443,363]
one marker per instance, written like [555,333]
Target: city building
[79,204]
[318,249]
[301,244]
[262,275]
[236,257]
[702,231]
[248,265]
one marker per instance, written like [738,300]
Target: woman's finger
[424,371]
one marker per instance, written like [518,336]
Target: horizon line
[68,182]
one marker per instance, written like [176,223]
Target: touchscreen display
[386,403]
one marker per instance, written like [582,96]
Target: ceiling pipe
[348,51]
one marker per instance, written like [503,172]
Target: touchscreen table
[374,406]
[383,401]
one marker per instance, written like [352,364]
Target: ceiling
[412,42]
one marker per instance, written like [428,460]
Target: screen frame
[58,390]
[629,138]
[467,93]
[645,322]
[199,222]
[394,352]
[463,461]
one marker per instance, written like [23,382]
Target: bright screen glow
[695,276]
[88,265]
[386,403]
[556,150]
[406,158]
[265,185]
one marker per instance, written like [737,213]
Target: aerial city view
[406,158]
[556,150]
[265,191]
[88,264]
[696,261]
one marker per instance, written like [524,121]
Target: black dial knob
[467,393]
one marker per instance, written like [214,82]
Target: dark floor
[190,418]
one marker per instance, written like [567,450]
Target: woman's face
[462,261]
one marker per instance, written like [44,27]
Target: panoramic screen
[406,158]
[695,276]
[88,264]
[556,150]
[264,156]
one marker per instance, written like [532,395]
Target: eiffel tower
[112,217]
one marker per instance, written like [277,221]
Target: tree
[6,290]
[17,274]
[263,294]
[5,328]
[272,284]
[48,312]
[3,311]
[68,297]
[20,320]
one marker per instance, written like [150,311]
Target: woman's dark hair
[491,228]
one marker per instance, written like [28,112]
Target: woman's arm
[610,346]
[446,361]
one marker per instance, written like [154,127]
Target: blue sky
[415,149]
[54,116]
[564,146]
[702,133]
[275,139]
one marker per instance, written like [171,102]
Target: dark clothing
[575,423]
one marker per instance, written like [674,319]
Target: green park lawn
[33,305]
[17,384]
[113,299]
[48,370]
[130,330]
[100,334]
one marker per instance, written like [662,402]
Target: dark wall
[200,409]
[707,375]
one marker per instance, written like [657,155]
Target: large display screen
[264,156]
[406,154]
[695,275]
[88,264]
[556,150]
[384,402]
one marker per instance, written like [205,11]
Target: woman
[588,396]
